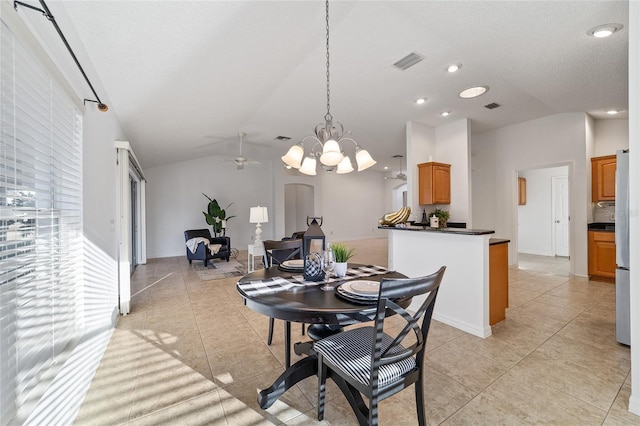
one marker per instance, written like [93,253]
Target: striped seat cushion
[351,351]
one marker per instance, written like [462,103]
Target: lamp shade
[331,155]
[364,160]
[258,215]
[345,166]
[308,166]
[293,157]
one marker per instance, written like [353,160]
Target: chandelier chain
[328,116]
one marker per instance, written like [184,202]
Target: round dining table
[325,311]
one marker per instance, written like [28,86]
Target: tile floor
[191,353]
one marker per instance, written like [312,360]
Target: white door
[561,214]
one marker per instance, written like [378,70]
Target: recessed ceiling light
[604,30]
[612,111]
[473,92]
[420,101]
[445,113]
[386,167]
[454,67]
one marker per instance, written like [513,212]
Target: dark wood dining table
[323,310]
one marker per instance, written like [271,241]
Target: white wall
[550,141]
[535,219]
[446,144]
[610,136]
[421,143]
[452,147]
[175,202]
[352,204]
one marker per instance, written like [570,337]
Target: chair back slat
[401,289]
[277,252]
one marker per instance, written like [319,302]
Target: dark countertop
[602,226]
[493,241]
[459,231]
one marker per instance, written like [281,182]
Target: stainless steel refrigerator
[623,331]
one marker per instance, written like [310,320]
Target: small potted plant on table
[342,254]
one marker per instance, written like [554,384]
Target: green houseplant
[341,254]
[216,216]
[442,215]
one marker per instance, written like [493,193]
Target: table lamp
[258,215]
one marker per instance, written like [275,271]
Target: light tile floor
[190,352]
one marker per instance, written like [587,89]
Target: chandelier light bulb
[293,157]
[331,153]
[308,166]
[364,160]
[345,166]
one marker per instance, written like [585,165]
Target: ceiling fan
[240,161]
[400,175]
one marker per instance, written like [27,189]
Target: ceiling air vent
[492,105]
[408,61]
[282,138]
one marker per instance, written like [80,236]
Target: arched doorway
[298,204]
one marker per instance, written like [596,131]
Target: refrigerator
[623,331]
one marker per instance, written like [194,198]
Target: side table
[254,250]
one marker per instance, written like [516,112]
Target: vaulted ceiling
[185,77]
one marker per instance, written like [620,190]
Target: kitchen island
[463,298]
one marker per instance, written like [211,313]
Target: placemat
[273,285]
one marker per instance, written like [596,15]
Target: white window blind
[40,227]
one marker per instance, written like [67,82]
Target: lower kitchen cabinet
[602,255]
[498,279]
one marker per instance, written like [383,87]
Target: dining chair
[276,253]
[368,362]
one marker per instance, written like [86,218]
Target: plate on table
[354,298]
[293,264]
[364,288]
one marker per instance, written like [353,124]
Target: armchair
[202,252]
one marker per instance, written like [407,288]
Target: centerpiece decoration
[216,216]
[342,254]
[395,218]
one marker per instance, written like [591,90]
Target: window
[40,226]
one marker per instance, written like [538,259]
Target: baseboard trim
[471,329]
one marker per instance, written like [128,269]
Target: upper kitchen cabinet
[603,178]
[522,191]
[434,183]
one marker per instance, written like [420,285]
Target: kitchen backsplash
[604,212]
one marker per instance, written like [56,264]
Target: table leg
[302,369]
[287,344]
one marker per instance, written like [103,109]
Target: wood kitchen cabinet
[602,254]
[434,183]
[522,191]
[603,178]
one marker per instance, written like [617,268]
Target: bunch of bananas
[395,218]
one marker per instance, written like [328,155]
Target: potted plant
[216,216]
[342,254]
[442,215]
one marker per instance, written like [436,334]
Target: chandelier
[328,138]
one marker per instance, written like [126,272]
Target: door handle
[557,221]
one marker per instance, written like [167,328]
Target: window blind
[40,226]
